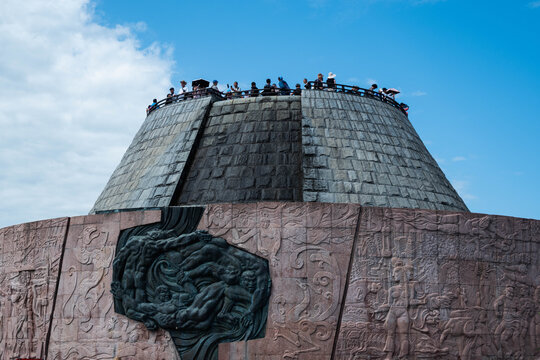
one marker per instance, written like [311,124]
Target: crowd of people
[201,87]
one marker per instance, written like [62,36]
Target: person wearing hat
[183,87]
[331,81]
[214,85]
[183,90]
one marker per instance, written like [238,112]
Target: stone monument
[273,227]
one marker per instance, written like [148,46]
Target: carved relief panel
[308,247]
[428,284]
[29,266]
[84,323]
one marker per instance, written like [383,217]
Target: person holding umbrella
[199,87]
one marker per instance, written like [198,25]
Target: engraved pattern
[85,326]
[29,267]
[428,284]
[308,246]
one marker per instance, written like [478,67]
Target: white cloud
[459,158]
[73,94]
[419,93]
[534,4]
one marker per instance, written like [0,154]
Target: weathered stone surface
[248,156]
[152,166]
[439,285]
[30,263]
[199,288]
[320,147]
[348,282]
[372,144]
[308,247]
[84,323]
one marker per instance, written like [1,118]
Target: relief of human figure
[21,310]
[471,331]
[508,331]
[397,322]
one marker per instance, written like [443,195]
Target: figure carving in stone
[397,321]
[471,331]
[508,330]
[199,288]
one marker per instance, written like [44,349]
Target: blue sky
[468,69]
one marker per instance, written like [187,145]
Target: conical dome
[322,146]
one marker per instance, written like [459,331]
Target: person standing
[254,91]
[331,81]
[267,90]
[151,107]
[183,87]
[307,85]
[214,85]
[170,96]
[318,83]
[183,90]
[371,91]
[284,88]
[236,90]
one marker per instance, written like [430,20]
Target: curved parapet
[322,146]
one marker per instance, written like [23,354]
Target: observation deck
[342,145]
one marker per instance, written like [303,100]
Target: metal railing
[358,91]
[255,92]
[185,96]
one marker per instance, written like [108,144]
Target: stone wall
[79,251]
[361,150]
[348,282]
[322,146]
[152,166]
[251,150]
[373,283]
[30,258]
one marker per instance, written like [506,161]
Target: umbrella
[201,83]
[393,91]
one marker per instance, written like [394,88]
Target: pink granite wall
[426,284]
[29,265]
[422,284]
[85,325]
[308,246]
[347,283]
